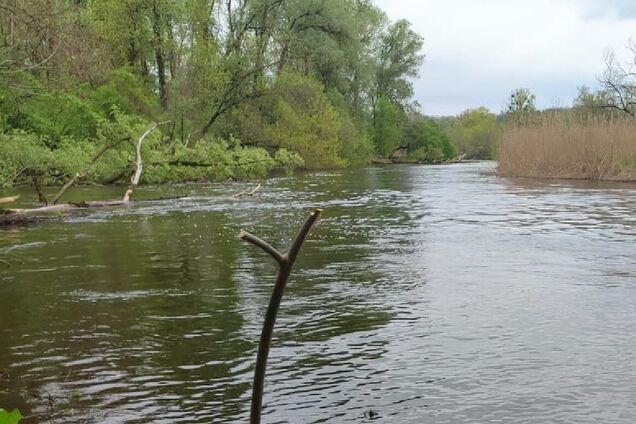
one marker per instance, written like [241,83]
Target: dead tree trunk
[139,165]
[285,265]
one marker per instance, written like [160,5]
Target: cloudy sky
[477,51]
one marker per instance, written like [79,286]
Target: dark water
[427,294]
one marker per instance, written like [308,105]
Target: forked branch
[286,263]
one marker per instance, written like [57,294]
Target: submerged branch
[248,192]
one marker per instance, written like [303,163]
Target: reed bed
[593,149]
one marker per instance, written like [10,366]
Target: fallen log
[70,206]
[10,218]
[9,199]
[21,216]
[248,192]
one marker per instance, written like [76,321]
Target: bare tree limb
[268,248]
[139,165]
[248,192]
[286,263]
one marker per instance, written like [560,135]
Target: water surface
[437,294]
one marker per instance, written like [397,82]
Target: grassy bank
[594,149]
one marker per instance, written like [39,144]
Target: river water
[426,294]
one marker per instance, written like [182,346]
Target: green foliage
[25,155]
[288,160]
[296,116]
[476,134]
[399,60]
[388,126]
[12,417]
[313,83]
[426,142]
[55,115]
[125,91]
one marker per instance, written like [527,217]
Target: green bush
[476,134]
[426,142]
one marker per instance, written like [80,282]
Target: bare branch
[302,235]
[286,263]
[248,192]
[139,165]
[268,248]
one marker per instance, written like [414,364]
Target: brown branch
[39,188]
[286,263]
[268,248]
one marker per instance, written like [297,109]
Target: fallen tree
[20,216]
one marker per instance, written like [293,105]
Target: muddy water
[426,294]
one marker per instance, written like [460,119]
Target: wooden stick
[39,188]
[248,192]
[286,263]
[9,199]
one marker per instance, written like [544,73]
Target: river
[426,294]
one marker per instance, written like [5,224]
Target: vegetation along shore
[260,86]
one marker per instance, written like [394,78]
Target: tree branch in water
[286,263]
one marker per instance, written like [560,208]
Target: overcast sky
[477,51]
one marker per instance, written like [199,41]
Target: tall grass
[566,147]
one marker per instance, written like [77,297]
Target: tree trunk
[159,55]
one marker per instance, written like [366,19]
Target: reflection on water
[428,294]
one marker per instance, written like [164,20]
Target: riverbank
[603,150]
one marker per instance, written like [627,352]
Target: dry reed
[594,149]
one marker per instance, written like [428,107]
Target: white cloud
[478,51]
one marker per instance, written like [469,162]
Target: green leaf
[12,417]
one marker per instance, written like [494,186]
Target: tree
[618,83]
[520,105]
[388,126]
[521,100]
[425,140]
[217,69]
[398,59]
[476,133]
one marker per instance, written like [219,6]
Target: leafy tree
[426,142]
[476,133]
[388,126]
[326,80]
[398,60]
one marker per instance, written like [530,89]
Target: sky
[478,51]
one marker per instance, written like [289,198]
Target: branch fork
[285,264]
